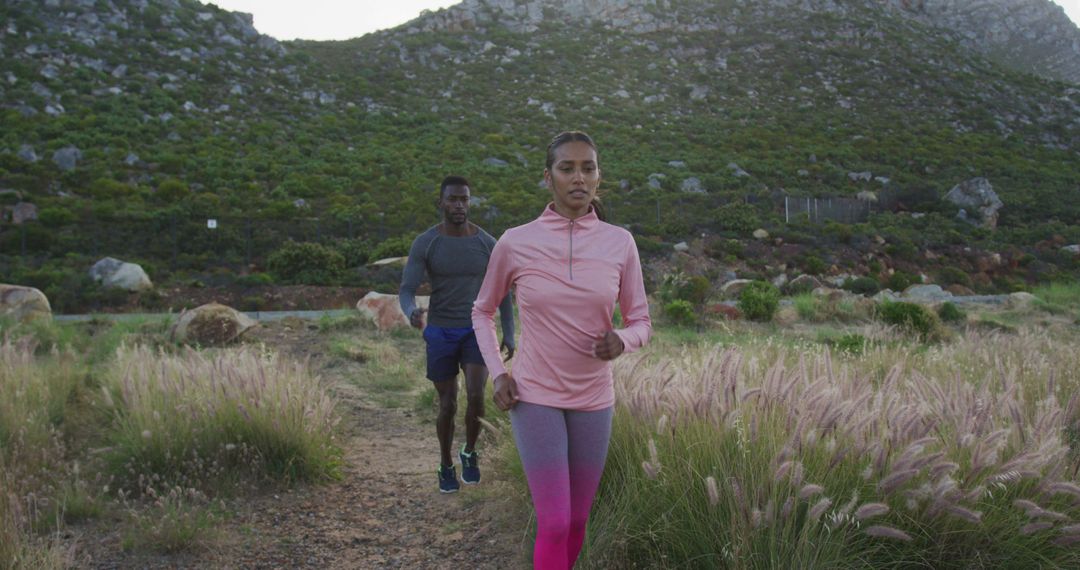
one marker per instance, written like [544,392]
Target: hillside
[128,123]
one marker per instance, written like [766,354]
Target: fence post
[175,241]
[247,243]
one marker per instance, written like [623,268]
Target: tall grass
[193,418]
[33,396]
[959,456]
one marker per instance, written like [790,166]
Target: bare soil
[385,512]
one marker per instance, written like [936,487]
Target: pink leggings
[563,453]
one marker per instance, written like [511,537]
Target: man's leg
[475,382]
[444,424]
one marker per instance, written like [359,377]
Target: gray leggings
[563,453]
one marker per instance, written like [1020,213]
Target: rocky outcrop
[978,202]
[211,324]
[113,273]
[23,303]
[1031,35]
[385,310]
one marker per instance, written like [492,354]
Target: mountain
[708,115]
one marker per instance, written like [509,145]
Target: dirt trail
[386,511]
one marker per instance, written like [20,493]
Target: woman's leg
[540,434]
[587,435]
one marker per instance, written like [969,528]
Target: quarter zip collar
[555,221]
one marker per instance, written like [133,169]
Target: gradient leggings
[563,453]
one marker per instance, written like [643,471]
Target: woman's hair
[575,136]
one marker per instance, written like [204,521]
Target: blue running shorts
[449,349]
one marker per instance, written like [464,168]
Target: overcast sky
[344,19]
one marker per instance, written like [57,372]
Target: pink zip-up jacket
[567,275]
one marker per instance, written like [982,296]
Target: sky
[344,19]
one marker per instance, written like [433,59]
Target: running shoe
[470,471]
[448,482]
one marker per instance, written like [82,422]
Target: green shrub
[950,313]
[911,318]
[695,291]
[901,280]
[953,276]
[680,313]
[813,265]
[867,286]
[355,251]
[853,343]
[737,217]
[255,280]
[759,301]
[392,247]
[306,262]
[647,244]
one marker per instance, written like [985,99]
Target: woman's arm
[497,280]
[634,305]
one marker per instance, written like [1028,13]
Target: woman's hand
[608,346]
[506,394]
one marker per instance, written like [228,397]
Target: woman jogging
[568,268]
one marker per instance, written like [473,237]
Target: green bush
[355,251]
[680,313]
[392,247]
[306,262]
[911,318]
[953,276]
[759,301]
[695,291]
[813,265]
[853,343]
[950,313]
[255,280]
[867,286]
[737,217]
[901,280]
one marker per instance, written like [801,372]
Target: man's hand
[416,319]
[506,394]
[508,349]
[608,346]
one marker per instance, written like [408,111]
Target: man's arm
[411,277]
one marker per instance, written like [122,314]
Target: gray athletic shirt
[455,266]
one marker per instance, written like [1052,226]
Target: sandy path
[385,512]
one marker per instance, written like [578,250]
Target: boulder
[978,202]
[1073,249]
[761,233]
[1021,300]
[112,272]
[385,310]
[212,324]
[804,282]
[693,185]
[67,158]
[926,292]
[23,212]
[734,288]
[682,247]
[23,303]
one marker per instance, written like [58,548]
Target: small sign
[211,223]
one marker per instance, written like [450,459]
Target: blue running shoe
[448,482]
[470,471]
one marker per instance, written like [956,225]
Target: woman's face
[573,178]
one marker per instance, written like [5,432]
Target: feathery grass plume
[1070,529]
[880,531]
[782,471]
[712,490]
[654,455]
[1066,541]
[969,515]
[1030,508]
[819,508]
[809,490]
[1032,528]
[787,508]
[1064,487]
[651,471]
[895,479]
[871,510]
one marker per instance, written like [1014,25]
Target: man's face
[455,204]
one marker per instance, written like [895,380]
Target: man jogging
[454,255]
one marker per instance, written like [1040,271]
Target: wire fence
[240,243]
